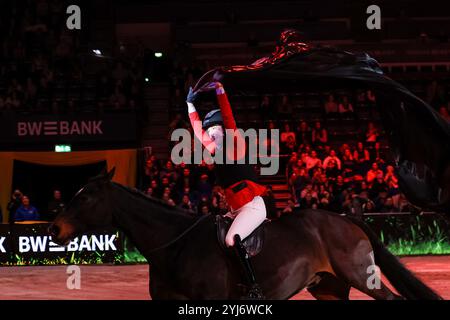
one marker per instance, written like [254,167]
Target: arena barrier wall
[29,244]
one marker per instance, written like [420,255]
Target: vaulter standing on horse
[242,191]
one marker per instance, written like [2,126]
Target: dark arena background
[96,86]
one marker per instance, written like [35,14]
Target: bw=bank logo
[59,128]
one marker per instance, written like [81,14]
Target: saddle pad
[253,243]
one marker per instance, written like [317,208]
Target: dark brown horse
[322,251]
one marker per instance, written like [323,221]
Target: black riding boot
[254,291]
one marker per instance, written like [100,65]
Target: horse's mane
[158,202]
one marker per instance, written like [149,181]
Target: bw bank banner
[23,244]
[65,128]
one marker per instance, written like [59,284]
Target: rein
[180,236]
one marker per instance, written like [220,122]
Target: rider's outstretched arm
[229,121]
[196,124]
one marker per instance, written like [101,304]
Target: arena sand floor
[131,281]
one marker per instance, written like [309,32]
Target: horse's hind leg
[330,288]
[359,271]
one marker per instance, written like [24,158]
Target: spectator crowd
[45,67]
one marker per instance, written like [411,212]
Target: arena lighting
[63,148]
[97,51]
[158,54]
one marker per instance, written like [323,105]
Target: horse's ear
[104,172]
[110,174]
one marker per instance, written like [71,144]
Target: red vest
[242,192]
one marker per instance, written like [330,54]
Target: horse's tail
[403,280]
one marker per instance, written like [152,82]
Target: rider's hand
[191,96]
[209,86]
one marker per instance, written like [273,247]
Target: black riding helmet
[212,118]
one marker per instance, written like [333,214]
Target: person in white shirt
[332,156]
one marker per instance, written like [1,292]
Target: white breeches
[248,218]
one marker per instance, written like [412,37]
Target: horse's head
[89,209]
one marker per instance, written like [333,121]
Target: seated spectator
[286,133]
[167,199]
[311,189]
[324,197]
[378,187]
[312,161]
[378,154]
[55,206]
[361,156]
[347,160]
[166,183]
[204,210]
[316,178]
[392,183]
[26,212]
[345,107]
[287,139]
[193,195]
[363,187]
[331,107]
[369,207]
[157,190]
[347,203]
[288,146]
[204,187]
[185,180]
[372,133]
[308,202]
[332,171]
[303,134]
[331,157]
[298,181]
[186,203]
[291,164]
[169,171]
[149,192]
[319,135]
[339,186]
[373,173]
[151,171]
